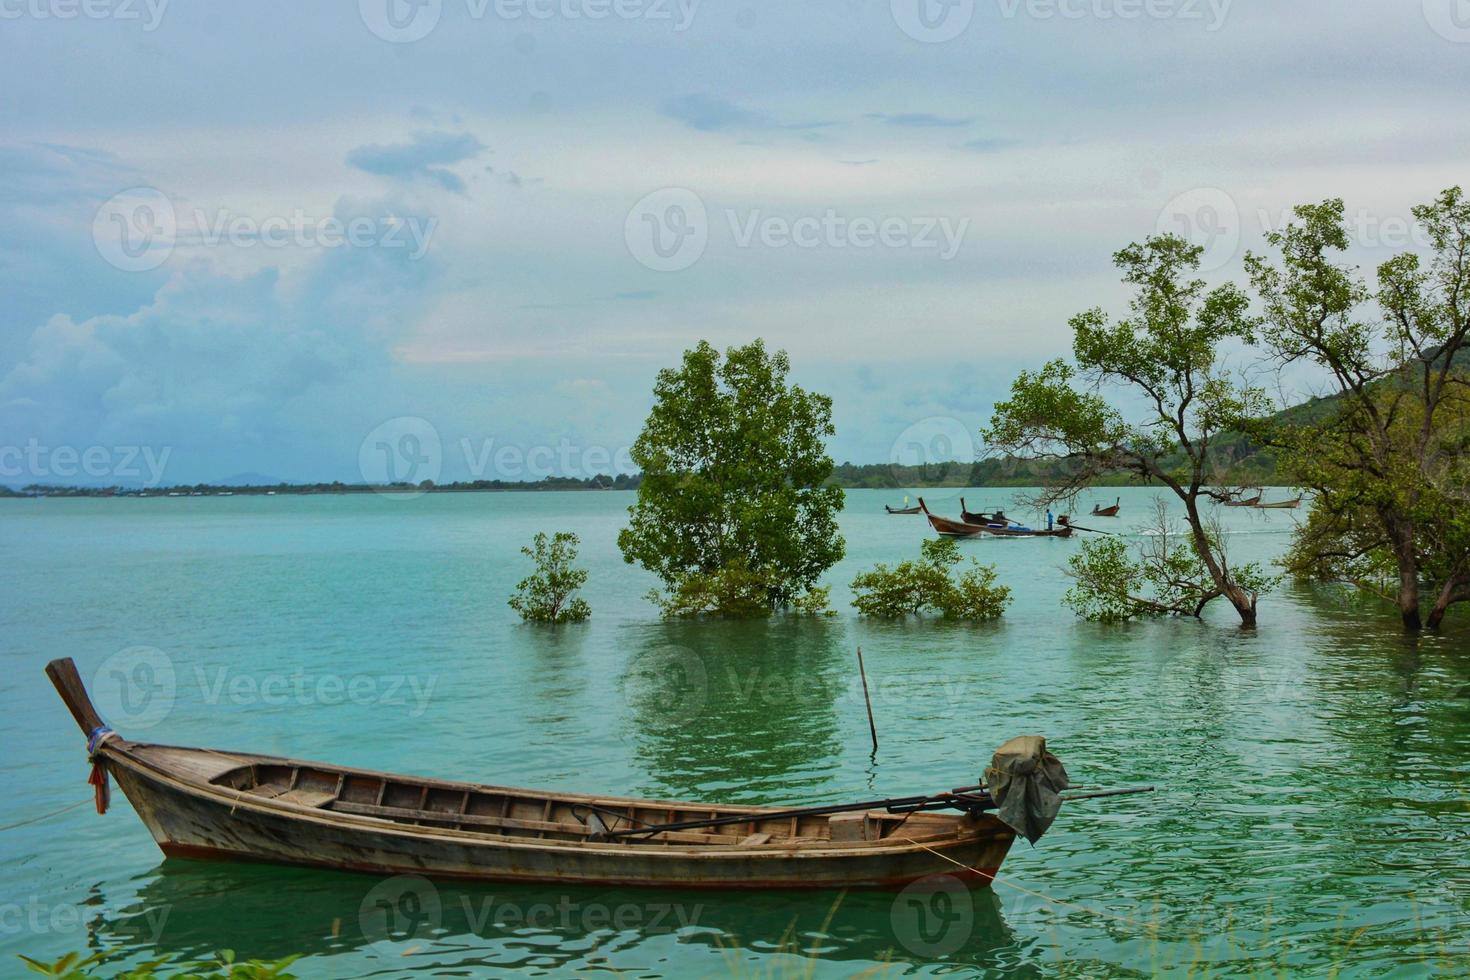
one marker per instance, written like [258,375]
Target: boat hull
[189,820]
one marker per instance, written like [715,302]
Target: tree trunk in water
[1457,589]
[1244,602]
[1408,561]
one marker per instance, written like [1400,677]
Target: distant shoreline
[399,489]
[987,473]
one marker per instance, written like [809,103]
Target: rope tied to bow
[102,789]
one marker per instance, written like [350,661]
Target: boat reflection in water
[355,924]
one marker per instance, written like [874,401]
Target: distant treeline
[600,482]
[1240,465]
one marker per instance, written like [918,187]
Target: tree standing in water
[734,514]
[1167,354]
[1388,458]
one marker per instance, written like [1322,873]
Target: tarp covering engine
[1025,781]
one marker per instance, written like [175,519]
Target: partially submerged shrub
[1165,576]
[547,595]
[928,585]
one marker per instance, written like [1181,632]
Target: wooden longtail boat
[901,510]
[1107,511]
[1251,502]
[237,806]
[1282,504]
[949,528]
[975,517]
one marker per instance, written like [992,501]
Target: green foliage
[816,601]
[1166,354]
[733,494]
[74,966]
[1165,575]
[547,595]
[913,587]
[1387,455]
[733,592]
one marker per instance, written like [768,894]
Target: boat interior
[499,812]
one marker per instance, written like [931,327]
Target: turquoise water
[1313,809]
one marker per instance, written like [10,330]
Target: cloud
[425,158]
[987,144]
[212,364]
[921,120]
[709,113]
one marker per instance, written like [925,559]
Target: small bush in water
[547,595]
[929,585]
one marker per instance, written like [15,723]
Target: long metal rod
[872,728]
[950,798]
[959,798]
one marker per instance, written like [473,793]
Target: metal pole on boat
[872,728]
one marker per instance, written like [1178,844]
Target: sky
[456,239]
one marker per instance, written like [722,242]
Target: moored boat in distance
[1243,502]
[901,510]
[1281,504]
[1107,511]
[238,806]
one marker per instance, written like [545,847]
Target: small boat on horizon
[1107,511]
[1281,504]
[1243,502]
